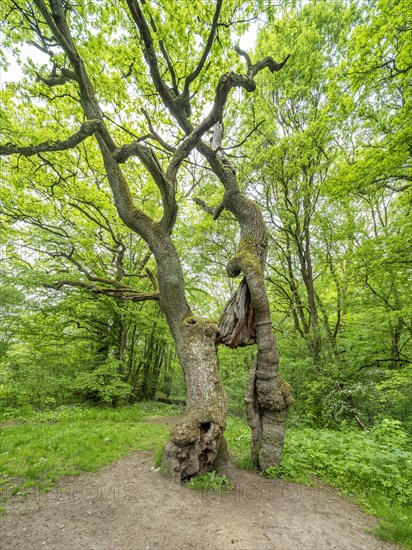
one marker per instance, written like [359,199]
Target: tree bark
[195,442]
[268,396]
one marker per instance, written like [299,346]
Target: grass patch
[374,468]
[75,413]
[210,482]
[237,435]
[158,457]
[52,444]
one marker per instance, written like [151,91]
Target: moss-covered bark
[267,396]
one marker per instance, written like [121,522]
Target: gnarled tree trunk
[195,443]
[267,396]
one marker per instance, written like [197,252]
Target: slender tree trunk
[122,347]
[396,332]
[167,379]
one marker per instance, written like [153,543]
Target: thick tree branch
[150,55]
[204,206]
[267,62]
[215,212]
[226,83]
[148,158]
[66,75]
[86,130]
[61,35]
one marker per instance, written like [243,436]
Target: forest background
[324,147]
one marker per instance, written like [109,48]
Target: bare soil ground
[130,505]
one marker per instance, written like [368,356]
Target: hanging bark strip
[237,324]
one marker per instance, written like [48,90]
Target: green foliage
[234,371]
[86,413]
[395,521]
[328,158]
[102,384]
[210,482]
[238,439]
[158,457]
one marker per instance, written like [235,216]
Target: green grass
[374,469]
[46,446]
[74,413]
[210,482]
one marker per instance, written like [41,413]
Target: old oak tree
[88,47]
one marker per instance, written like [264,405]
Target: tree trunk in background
[165,386]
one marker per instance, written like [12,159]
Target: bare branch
[254,129]
[192,76]
[398,189]
[154,134]
[125,293]
[169,66]
[150,54]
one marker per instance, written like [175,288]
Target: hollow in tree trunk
[197,442]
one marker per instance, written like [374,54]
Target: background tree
[330,132]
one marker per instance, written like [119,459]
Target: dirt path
[129,505]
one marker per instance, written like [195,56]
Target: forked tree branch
[215,212]
[66,75]
[150,55]
[267,62]
[195,73]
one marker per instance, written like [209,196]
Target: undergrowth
[74,413]
[373,468]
